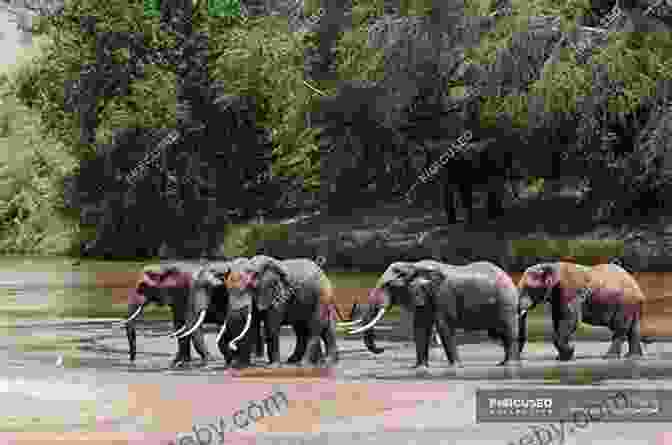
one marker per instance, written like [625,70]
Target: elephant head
[402,283]
[537,284]
[208,285]
[237,278]
[158,284]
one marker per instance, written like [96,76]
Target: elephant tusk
[347,324]
[522,313]
[132,317]
[246,328]
[220,333]
[196,325]
[179,331]
[369,325]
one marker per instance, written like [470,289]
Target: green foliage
[243,240]
[584,251]
[31,167]
[523,10]
[640,60]
[356,60]
[261,58]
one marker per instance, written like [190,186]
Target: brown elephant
[602,295]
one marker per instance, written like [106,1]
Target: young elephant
[167,283]
[295,292]
[475,296]
[602,295]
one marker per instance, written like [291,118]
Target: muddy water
[69,374]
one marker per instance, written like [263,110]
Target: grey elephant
[473,297]
[602,295]
[209,291]
[295,292]
[166,283]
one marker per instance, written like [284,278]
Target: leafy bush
[582,251]
[245,239]
[31,167]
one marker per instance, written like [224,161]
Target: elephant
[492,167]
[295,292]
[601,295]
[166,283]
[475,296]
[210,291]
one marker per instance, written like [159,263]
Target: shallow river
[69,374]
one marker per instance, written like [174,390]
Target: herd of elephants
[241,293]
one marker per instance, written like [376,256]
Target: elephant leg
[510,337]
[449,202]
[635,340]
[199,345]
[183,344]
[223,347]
[329,337]
[183,352]
[272,323]
[131,336]
[561,338]
[259,349]
[301,342]
[449,341]
[241,356]
[620,329]
[467,200]
[314,339]
[522,333]
[423,321]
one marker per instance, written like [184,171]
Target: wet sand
[368,398]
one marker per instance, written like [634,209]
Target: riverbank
[370,239]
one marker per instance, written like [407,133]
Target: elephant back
[303,273]
[485,273]
[613,276]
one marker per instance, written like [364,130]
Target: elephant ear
[423,285]
[394,272]
[172,276]
[550,275]
[270,279]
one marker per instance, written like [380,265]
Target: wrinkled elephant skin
[162,284]
[475,296]
[295,292]
[603,295]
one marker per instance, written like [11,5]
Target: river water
[66,373]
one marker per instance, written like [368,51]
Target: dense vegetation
[263,103]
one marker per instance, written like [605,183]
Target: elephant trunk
[134,310]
